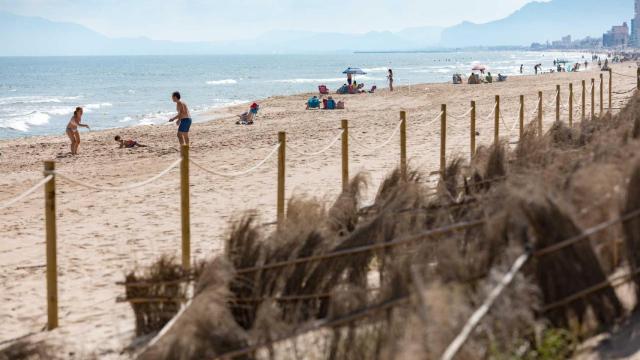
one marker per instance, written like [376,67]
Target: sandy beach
[102,235]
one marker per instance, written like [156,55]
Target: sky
[219,20]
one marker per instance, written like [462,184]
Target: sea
[38,94]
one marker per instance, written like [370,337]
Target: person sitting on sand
[72,130]
[247,118]
[313,103]
[128,144]
[489,78]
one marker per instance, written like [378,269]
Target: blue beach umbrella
[354,71]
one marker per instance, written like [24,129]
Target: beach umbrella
[354,71]
[479,67]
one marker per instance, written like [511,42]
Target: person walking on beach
[390,78]
[521,68]
[72,130]
[183,117]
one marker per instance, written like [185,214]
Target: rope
[463,115]
[435,118]
[553,101]
[492,112]
[26,193]
[515,125]
[375,148]
[304,154]
[624,92]
[240,173]
[120,188]
[480,313]
[629,76]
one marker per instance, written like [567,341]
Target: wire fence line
[625,75]
[239,173]
[118,188]
[323,150]
[482,311]
[377,147]
[25,194]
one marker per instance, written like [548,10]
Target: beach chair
[323,89]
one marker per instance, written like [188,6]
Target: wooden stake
[571,105]
[584,100]
[52,261]
[610,89]
[593,99]
[345,155]
[601,94]
[521,117]
[403,144]
[472,135]
[496,122]
[282,138]
[184,208]
[540,113]
[443,139]
[638,78]
[557,103]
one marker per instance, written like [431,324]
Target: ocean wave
[222,82]
[97,106]
[311,81]
[25,121]
[59,111]
[17,100]
[376,69]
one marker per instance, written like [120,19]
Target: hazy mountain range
[535,22]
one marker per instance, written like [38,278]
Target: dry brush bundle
[570,270]
[631,227]
[28,350]
[156,293]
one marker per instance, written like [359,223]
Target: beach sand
[102,235]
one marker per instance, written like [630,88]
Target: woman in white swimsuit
[72,130]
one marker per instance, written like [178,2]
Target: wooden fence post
[51,237]
[185,211]
[496,122]
[540,113]
[570,104]
[557,103]
[601,94]
[638,78]
[345,155]
[593,98]
[584,100]
[403,144]
[610,89]
[443,139]
[282,139]
[472,135]
[521,132]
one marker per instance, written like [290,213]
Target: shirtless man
[183,117]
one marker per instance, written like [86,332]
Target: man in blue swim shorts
[183,117]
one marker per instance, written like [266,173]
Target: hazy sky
[191,20]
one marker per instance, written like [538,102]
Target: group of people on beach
[183,121]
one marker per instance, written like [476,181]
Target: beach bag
[340,105]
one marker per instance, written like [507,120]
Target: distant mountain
[541,21]
[34,36]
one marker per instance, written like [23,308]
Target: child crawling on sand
[128,144]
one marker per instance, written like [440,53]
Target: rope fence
[280,149]
[25,194]
[238,173]
[119,188]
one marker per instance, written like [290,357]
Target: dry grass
[530,198]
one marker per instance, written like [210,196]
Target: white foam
[311,81]
[222,82]
[25,121]
[376,69]
[126,119]
[61,110]
[97,106]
